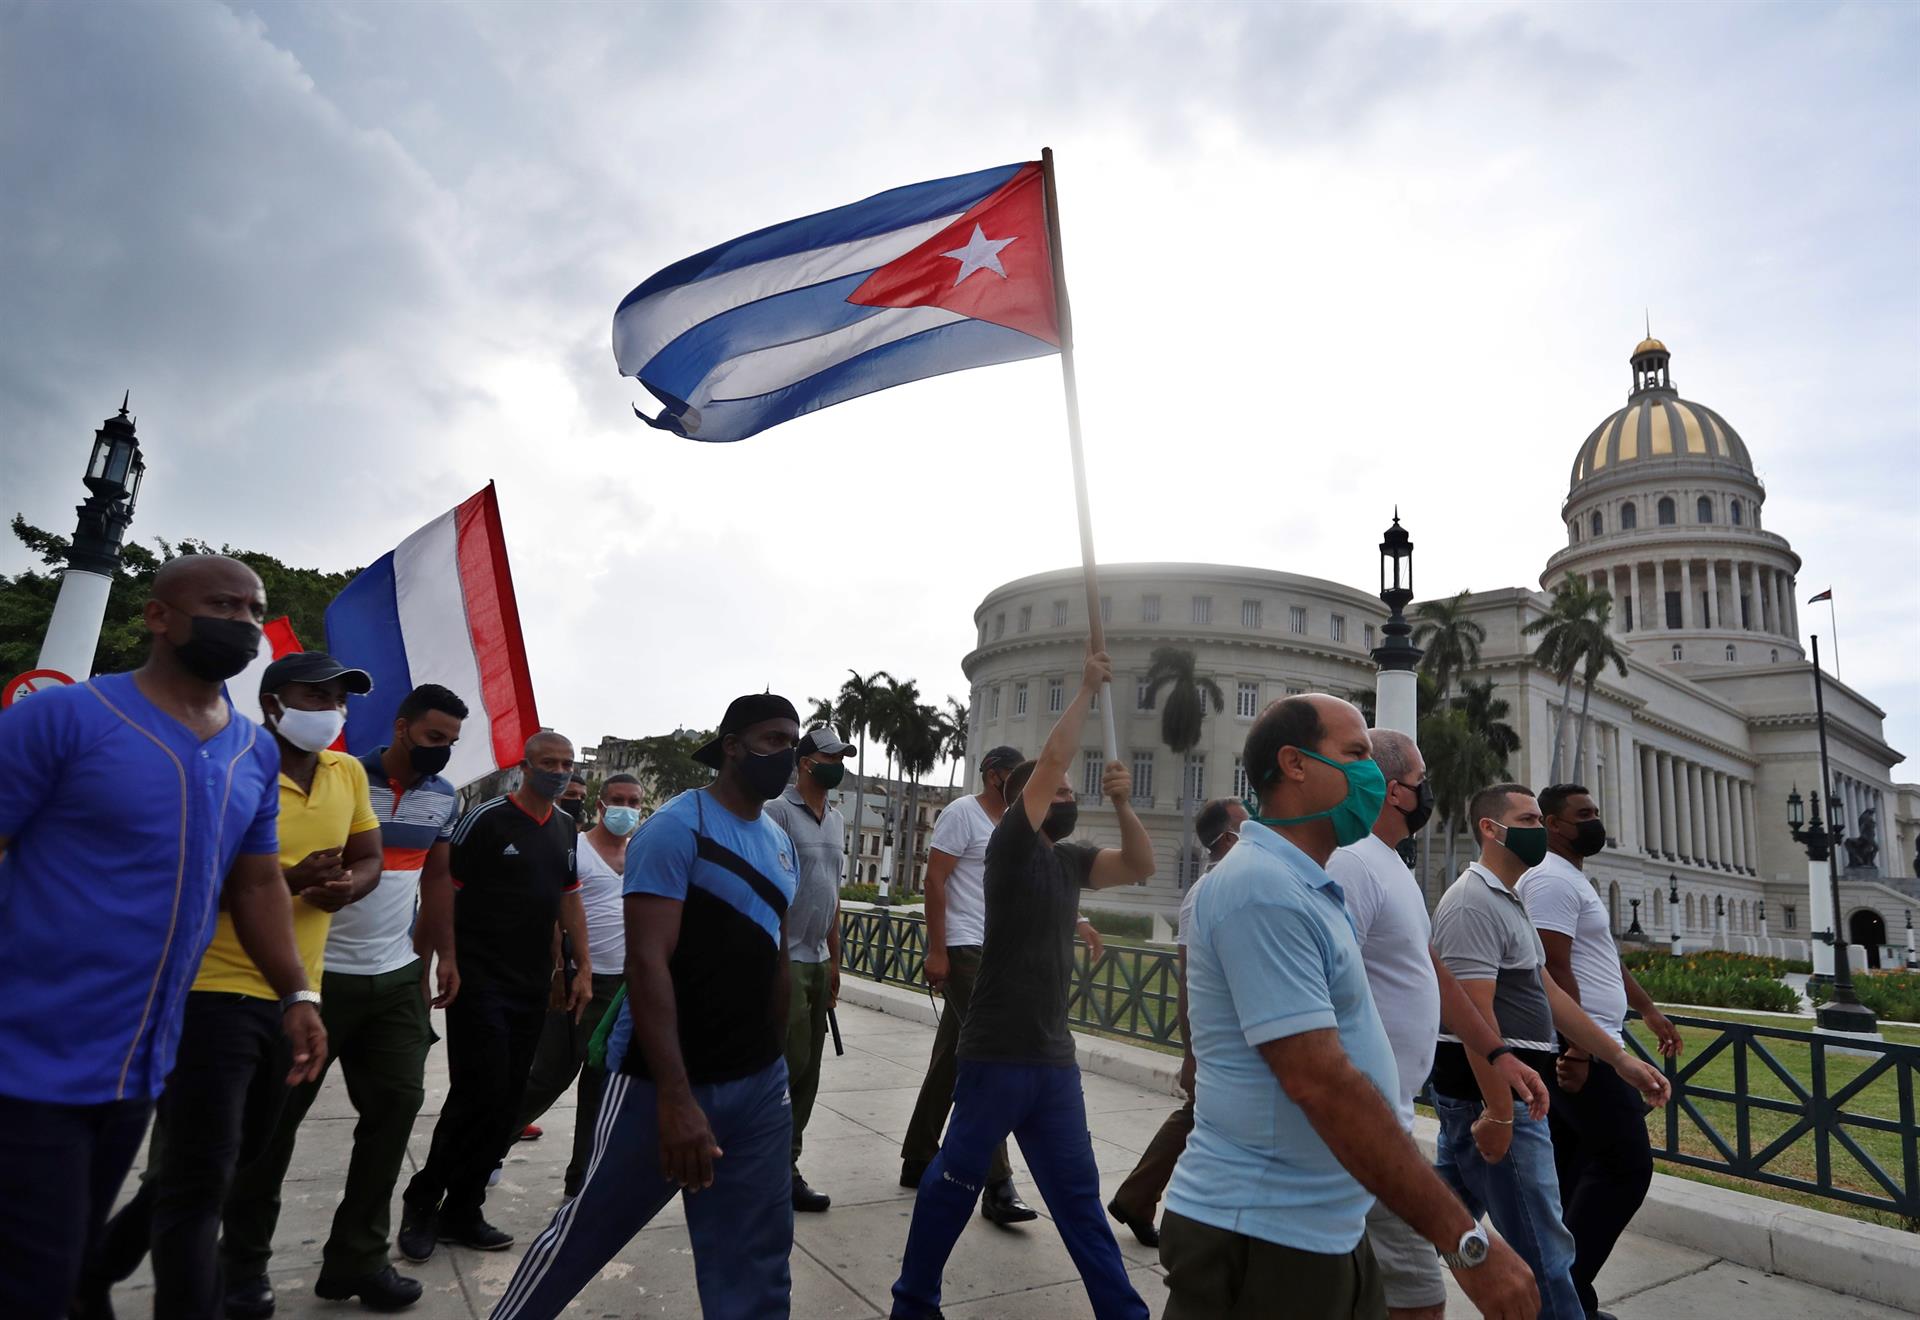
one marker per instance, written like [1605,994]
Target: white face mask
[310,730]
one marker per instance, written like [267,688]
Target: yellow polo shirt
[337,806]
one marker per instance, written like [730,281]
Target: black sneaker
[1000,1204]
[911,1172]
[386,1290]
[476,1233]
[806,1200]
[419,1232]
[250,1299]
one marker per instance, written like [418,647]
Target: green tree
[919,733]
[954,722]
[1450,638]
[1574,639]
[1460,762]
[857,706]
[665,762]
[821,714]
[1486,716]
[1182,717]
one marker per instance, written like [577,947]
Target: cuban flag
[439,608]
[915,282]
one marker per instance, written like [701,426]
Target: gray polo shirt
[1482,933]
[820,845]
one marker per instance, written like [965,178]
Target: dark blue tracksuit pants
[1041,1107]
[741,1227]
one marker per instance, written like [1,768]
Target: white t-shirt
[1560,898]
[962,832]
[1186,907]
[600,894]
[1390,917]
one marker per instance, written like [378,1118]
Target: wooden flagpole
[1096,626]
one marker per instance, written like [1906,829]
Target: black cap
[313,667]
[1001,758]
[744,713]
[824,742]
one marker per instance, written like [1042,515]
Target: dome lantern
[1650,371]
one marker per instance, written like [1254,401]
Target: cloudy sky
[355,260]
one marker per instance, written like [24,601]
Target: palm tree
[1450,638]
[1181,717]
[821,716]
[954,723]
[919,734]
[1486,716]
[1573,638]
[857,706]
[1460,762]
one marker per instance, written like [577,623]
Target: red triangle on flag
[991,264]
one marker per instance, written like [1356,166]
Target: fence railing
[1791,1109]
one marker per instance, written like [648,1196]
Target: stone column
[1633,587]
[1716,613]
[1689,831]
[1737,818]
[1660,591]
[1649,800]
[1710,816]
[1687,602]
[1752,827]
[1762,606]
[1737,568]
[1777,581]
[1793,606]
[1669,807]
[1725,801]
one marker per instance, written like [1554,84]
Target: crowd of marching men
[200,916]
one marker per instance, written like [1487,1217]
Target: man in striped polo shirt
[374,994]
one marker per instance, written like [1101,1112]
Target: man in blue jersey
[697,1094]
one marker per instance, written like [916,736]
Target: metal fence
[1757,1127]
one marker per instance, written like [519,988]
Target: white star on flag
[980,253]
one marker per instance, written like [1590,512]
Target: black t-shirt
[509,871]
[1019,1008]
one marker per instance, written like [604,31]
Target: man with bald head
[134,808]
[514,875]
[1294,1136]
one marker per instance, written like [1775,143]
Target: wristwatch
[1471,1251]
[301,997]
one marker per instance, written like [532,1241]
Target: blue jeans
[1043,1108]
[1521,1194]
[741,1227]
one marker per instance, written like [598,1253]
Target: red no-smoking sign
[34,680]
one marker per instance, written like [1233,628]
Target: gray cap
[824,742]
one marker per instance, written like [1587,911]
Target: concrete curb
[1830,1251]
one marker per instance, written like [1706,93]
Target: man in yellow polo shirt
[224,1095]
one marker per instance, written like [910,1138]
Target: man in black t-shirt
[1017,1073]
[513,877]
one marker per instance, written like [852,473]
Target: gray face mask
[547,783]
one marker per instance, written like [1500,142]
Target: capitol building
[1692,755]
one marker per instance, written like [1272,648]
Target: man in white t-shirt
[1599,1126]
[601,861]
[1413,992]
[1135,1203]
[956,931]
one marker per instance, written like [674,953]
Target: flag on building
[919,281]
[439,608]
[1825,595]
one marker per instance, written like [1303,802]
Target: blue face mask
[1354,814]
[620,820]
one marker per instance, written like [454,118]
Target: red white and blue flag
[439,608]
[919,281]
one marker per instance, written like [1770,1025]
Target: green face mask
[1527,842]
[827,774]
[1354,814]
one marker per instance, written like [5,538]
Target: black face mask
[1422,807]
[1589,837]
[217,649]
[428,760]
[1061,818]
[765,774]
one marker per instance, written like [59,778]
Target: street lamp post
[1633,928]
[1396,691]
[1760,911]
[1720,920]
[114,471]
[1673,910]
[1913,955]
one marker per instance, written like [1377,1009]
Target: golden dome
[1649,345]
[1658,426]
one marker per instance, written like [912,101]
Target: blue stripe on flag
[935,352]
[363,632]
[817,309]
[880,214]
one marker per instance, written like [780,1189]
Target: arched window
[1733,511]
[1676,651]
[1689,911]
[1773,656]
[1597,523]
[1665,511]
[1629,517]
[1703,510]
[1730,654]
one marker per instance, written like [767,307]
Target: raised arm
[1063,744]
[1132,862]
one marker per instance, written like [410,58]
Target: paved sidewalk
[844,1261]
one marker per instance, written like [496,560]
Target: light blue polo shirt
[1272,955]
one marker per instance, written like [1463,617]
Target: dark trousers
[60,1168]
[492,1033]
[936,1092]
[1139,1196]
[218,1112]
[1217,1274]
[806,1042]
[1044,1108]
[557,1060]
[741,1228]
[1605,1163]
[379,1032]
